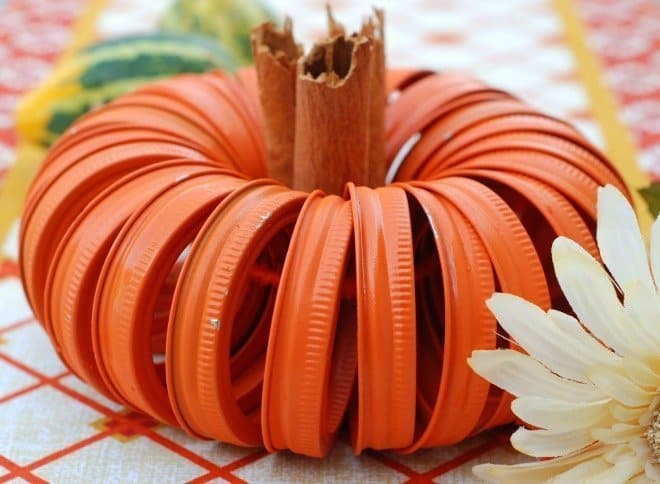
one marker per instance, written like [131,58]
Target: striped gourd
[229,21]
[101,72]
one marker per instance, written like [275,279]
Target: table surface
[594,62]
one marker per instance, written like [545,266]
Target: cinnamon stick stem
[334,28]
[332,115]
[276,55]
[323,113]
[374,28]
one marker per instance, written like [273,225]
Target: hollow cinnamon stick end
[332,115]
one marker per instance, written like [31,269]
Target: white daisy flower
[589,387]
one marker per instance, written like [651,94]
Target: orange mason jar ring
[309,325]
[386,328]
[232,133]
[450,137]
[516,123]
[67,196]
[467,275]
[423,159]
[132,278]
[125,114]
[576,186]
[504,237]
[403,122]
[80,256]
[218,266]
[539,142]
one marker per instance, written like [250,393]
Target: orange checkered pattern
[54,428]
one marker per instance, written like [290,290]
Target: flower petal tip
[478,359]
[484,472]
[500,302]
[563,245]
[609,188]
[612,205]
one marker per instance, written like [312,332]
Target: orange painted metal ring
[467,275]
[125,317]
[82,251]
[217,267]
[386,328]
[68,194]
[311,323]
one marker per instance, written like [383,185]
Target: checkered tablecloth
[594,62]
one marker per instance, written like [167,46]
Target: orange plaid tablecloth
[594,62]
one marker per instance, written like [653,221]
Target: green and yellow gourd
[228,21]
[100,73]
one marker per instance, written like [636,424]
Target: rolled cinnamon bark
[332,115]
[275,55]
[374,28]
[323,113]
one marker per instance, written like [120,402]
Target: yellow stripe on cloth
[28,155]
[84,32]
[619,144]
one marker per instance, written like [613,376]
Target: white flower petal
[588,289]
[581,471]
[547,413]
[534,471]
[619,433]
[619,239]
[586,402]
[640,373]
[639,479]
[652,471]
[592,348]
[623,413]
[643,306]
[620,388]
[619,472]
[522,375]
[640,447]
[655,251]
[550,443]
[539,336]
[615,453]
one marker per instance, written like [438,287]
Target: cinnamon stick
[334,28]
[276,55]
[332,115]
[323,113]
[374,29]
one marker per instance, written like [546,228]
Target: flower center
[653,436]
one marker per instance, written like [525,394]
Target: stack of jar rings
[174,278]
